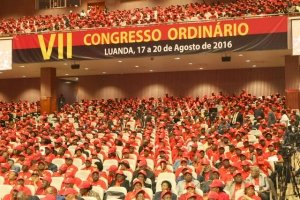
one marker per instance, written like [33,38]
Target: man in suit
[237,117]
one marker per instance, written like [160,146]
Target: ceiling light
[103,72]
[177,58]
[190,63]
[119,61]
[66,74]
[23,76]
[150,70]
[67,82]
[240,55]
[201,68]
[22,66]
[253,65]
[1,72]
[136,66]
[76,78]
[247,61]
[86,68]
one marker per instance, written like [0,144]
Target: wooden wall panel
[259,82]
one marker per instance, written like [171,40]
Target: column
[292,81]
[48,90]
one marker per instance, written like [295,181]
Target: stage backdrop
[153,40]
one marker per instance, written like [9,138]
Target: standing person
[61,102]
[237,116]
[271,116]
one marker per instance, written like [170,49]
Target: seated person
[190,190]
[166,189]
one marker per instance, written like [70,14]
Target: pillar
[48,90]
[292,81]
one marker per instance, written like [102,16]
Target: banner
[153,40]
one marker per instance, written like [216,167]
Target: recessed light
[86,68]
[136,66]
[22,66]
[247,61]
[190,63]
[119,61]
[66,74]
[240,55]
[150,70]
[1,72]
[103,72]
[201,68]
[23,76]
[177,58]
[67,82]
[76,78]
[253,65]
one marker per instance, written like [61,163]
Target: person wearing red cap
[249,193]
[166,187]
[96,181]
[124,165]
[67,183]
[21,187]
[25,171]
[190,190]
[88,165]
[86,190]
[72,169]
[12,195]
[111,174]
[137,185]
[11,178]
[218,186]
[162,167]
[141,195]
[120,180]
[142,165]
[46,181]
[4,170]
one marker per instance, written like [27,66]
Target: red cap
[85,185]
[112,168]
[137,181]
[143,172]
[188,171]
[69,180]
[216,183]
[142,163]
[190,185]
[47,178]
[120,172]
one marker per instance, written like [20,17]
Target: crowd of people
[216,147]
[95,17]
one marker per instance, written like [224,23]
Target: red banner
[228,35]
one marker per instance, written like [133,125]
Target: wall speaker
[75,66]
[226,58]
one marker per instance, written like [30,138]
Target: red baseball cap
[85,185]
[216,183]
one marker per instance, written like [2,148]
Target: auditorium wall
[263,81]
[29,89]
